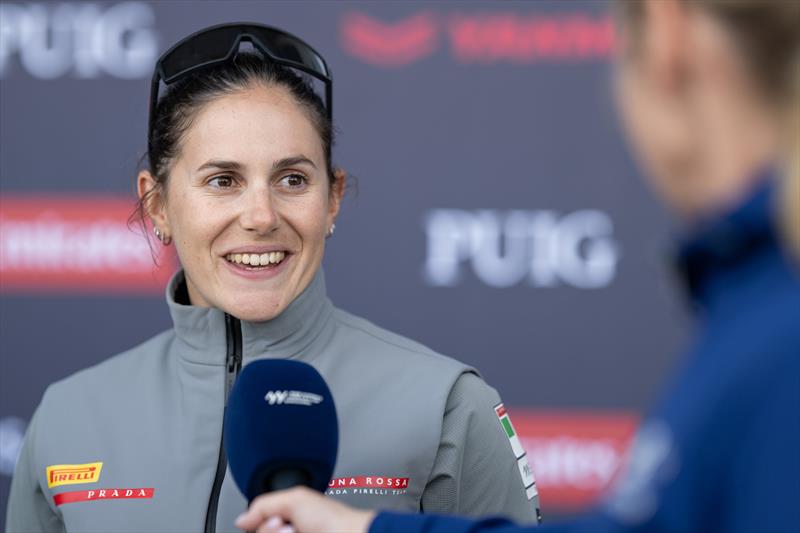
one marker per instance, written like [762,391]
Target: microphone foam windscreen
[280,417]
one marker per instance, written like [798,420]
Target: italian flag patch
[508,428]
[525,471]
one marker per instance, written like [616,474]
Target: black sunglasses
[218,44]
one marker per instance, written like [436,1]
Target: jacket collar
[201,336]
[720,247]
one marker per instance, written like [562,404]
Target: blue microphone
[280,428]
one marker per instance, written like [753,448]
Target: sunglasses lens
[288,48]
[213,45]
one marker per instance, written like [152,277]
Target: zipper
[233,365]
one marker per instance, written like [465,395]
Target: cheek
[628,106]
[639,113]
[315,209]
[311,221]
[193,234]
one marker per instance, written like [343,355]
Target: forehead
[256,124]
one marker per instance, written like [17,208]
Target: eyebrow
[277,165]
[292,161]
[220,164]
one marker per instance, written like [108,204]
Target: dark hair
[184,98]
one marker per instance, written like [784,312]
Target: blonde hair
[768,36]
[790,206]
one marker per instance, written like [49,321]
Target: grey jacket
[133,444]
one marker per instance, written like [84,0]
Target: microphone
[280,428]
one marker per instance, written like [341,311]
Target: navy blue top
[721,452]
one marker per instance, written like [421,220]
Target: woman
[710,94]
[240,181]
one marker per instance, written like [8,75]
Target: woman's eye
[294,181]
[221,182]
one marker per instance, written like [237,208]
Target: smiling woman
[240,180]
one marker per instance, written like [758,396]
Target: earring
[163,237]
[331,230]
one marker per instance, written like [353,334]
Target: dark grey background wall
[499,217]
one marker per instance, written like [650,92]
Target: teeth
[257,259]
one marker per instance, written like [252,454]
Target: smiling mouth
[256,261]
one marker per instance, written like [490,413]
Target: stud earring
[163,237]
[331,230]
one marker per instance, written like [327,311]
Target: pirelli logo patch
[58,475]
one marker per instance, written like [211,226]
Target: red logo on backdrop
[515,38]
[574,455]
[103,494]
[480,37]
[76,245]
[385,44]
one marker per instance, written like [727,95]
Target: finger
[262,509]
[272,525]
[280,504]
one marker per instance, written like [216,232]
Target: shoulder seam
[339,318]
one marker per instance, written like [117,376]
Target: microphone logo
[292,397]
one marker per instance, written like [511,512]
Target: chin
[257,311]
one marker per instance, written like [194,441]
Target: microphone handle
[285,479]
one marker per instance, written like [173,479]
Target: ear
[336,194]
[152,195]
[666,43]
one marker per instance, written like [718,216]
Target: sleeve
[392,522]
[27,506]
[477,471]
[765,472]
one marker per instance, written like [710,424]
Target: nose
[258,214]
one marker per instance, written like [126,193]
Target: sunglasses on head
[221,43]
